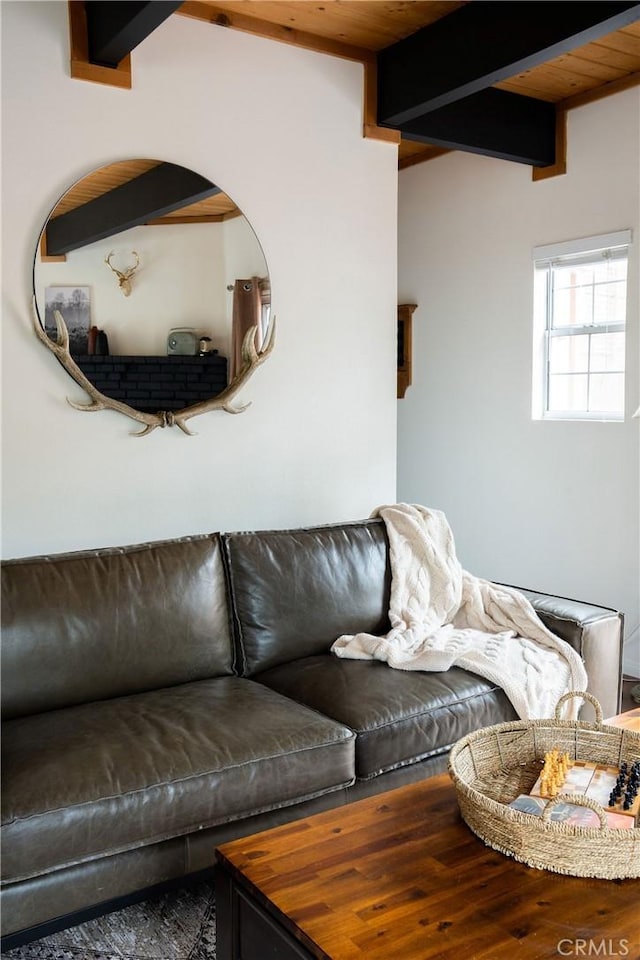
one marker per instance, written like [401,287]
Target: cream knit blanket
[441,616]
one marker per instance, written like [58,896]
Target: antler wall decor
[124,276]
[251,360]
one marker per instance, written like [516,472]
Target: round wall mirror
[152,289]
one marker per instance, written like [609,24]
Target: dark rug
[180,925]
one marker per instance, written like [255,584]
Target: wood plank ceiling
[489,77]
[360,29]
[495,78]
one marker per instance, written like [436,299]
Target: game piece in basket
[570,813]
[575,778]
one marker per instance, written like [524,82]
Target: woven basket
[492,766]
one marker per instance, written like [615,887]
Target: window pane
[589,292]
[569,354]
[607,351]
[609,302]
[585,292]
[606,393]
[567,392]
[573,275]
[611,268]
[572,305]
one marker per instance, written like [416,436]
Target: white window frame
[585,250]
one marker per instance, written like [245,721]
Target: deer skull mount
[124,276]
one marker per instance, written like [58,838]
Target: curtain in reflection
[247,312]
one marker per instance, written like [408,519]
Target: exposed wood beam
[481,44]
[493,123]
[157,192]
[81,67]
[559,165]
[114,28]
[44,253]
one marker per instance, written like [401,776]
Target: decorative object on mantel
[124,276]
[405,314]
[252,358]
[182,341]
[98,343]
[75,301]
[102,344]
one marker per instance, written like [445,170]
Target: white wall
[549,505]
[279,129]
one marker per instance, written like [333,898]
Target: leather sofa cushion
[399,716]
[90,625]
[295,591]
[101,778]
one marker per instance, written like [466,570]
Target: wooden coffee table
[400,876]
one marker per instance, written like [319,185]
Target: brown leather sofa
[161,698]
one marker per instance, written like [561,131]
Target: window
[580,301]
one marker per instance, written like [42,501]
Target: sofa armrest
[596,633]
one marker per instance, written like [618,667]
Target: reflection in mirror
[160,284]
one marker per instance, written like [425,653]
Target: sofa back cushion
[295,591]
[91,625]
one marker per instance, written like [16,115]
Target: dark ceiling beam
[493,123]
[153,194]
[481,44]
[115,28]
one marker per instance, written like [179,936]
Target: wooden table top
[400,876]
[630,720]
